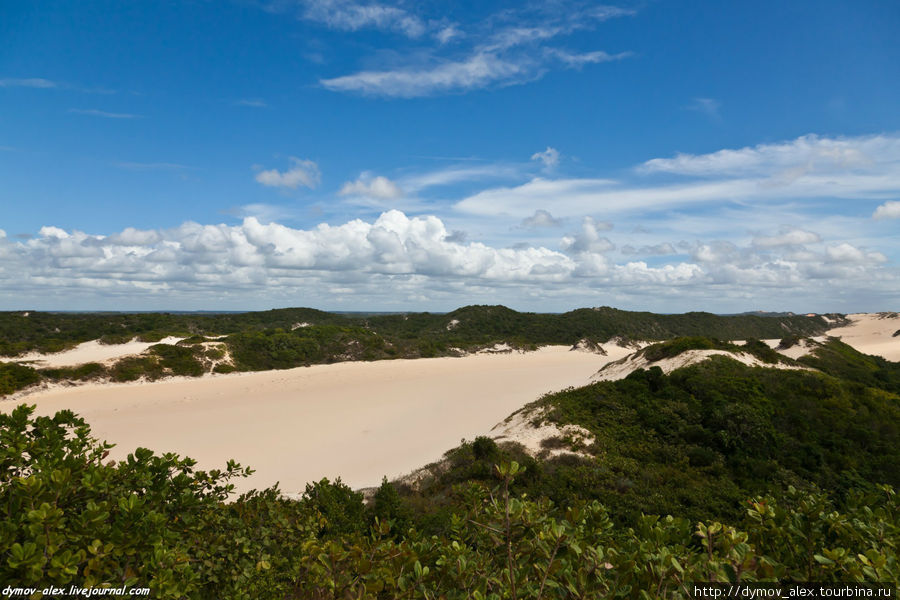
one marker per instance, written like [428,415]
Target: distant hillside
[292,337]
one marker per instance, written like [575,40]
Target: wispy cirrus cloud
[28,82]
[809,167]
[150,166]
[478,70]
[40,83]
[92,112]
[251,102]
[348,15]
[707,106]
[509,49]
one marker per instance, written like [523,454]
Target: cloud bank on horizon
[398,158]
[396,260]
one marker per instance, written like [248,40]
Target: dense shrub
[14,377]
[69,518]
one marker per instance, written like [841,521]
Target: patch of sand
[356,420]
[872,333]
[88,352]
[520,427]
[620,369]
[801,348]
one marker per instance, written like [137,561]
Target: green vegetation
[14,376]
[676,346]
[72,517]
[293,337]
[475,326]
[840,360]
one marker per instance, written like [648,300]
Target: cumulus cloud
[302,172]
[550,157]
[654,250]
[847,253]
[372,187]
[888,210]
[540,218]
[396,257]
[787,237]
[588,239]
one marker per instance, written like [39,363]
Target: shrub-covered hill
[50,332]
[840,360]
[286,338]
[69,517]
[697,441]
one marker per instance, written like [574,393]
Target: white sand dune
[620,369]
[88,352]
[801,348]
[358,420]
[872,333]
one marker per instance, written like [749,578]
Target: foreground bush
[68,517]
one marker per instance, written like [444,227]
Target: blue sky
[666,156]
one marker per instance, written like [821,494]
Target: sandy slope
[624,367]
[872,333]
[87,352]
[357,420]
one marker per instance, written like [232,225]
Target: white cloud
[708,106]
[787,237]
[579,59]
[496,55]
[456,174]
[540,218]
[476,71]
[302,172]
[588,240]
[847,253]
[865,167]
[661,249]
[888,210]
[387,261]
[31,82]
[807,154]
[448,33]
[372,187]
[550,157]
[482,68]
[157,166]
[348,15]
[251,102]
[92,112]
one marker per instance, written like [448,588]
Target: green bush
[14,377]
